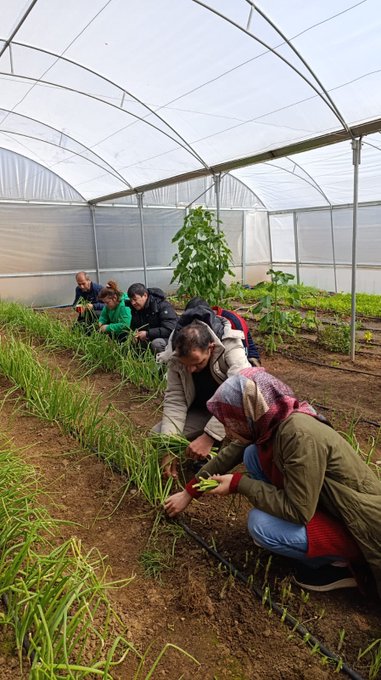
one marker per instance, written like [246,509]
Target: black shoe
[324,578]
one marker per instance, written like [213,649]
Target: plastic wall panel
[257,237]
[40,290]
[315,236]
[368,234]
[160,226]
[124,279]
[285,267]
[232,226]
[320,277]
[282,237]
[45,238]
[254,273]
[161,278]
[118,236]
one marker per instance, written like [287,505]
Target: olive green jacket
[318,466]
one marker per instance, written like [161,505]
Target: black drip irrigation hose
[288,355]
[293,623]
[359,420]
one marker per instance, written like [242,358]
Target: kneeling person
[115,318]
[153,317]
[200,356]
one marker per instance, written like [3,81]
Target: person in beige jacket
[199,356]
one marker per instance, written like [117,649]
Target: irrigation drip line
[360,420]
[288,355]
[298,627]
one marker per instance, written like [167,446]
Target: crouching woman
[314,499]
[115,318]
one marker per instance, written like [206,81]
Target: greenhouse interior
[190,467]
[117,117]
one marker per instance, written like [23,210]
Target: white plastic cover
[114,94]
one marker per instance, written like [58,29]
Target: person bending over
[153,317]
[314,499]
[115,318]
[86,302]
[199,356]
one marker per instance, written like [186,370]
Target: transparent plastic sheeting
[316,178]
[117,94]
[45,245]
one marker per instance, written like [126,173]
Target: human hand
[223,488]
[141,335]
[200,447]
[169,466]
[89,305]
[177,503]
[103,328]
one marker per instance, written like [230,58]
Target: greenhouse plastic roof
[115,96]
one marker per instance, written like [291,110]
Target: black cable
[298,627]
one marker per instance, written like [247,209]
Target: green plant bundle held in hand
[206,484]
[203,259]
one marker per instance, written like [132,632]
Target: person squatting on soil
[153,317]
[200,356]
[115,318]
[314,499]
[87,292]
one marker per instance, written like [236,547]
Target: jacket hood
[156,292]
[200,312]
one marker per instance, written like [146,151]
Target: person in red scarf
[314,499]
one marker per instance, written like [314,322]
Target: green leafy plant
[273,321]
[335,337]
[203,259]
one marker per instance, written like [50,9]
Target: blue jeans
[272,533]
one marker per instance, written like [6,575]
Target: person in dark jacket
[153,317]
[86,302]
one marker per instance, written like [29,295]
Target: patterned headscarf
[253,403]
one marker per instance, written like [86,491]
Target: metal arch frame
[189,148]
[114,172]
[236,179]
[183,143]
[46,169]
[306,64]
[330,104]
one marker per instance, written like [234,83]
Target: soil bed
[194,605]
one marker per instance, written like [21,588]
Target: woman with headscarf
[314,499]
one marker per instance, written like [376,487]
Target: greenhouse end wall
[44,245]
[316,247]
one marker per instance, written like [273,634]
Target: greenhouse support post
[296,244]
[217,188]
[356,160]
[140,204]
[270,245]
[243,253]
[333,248]
[92,212]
